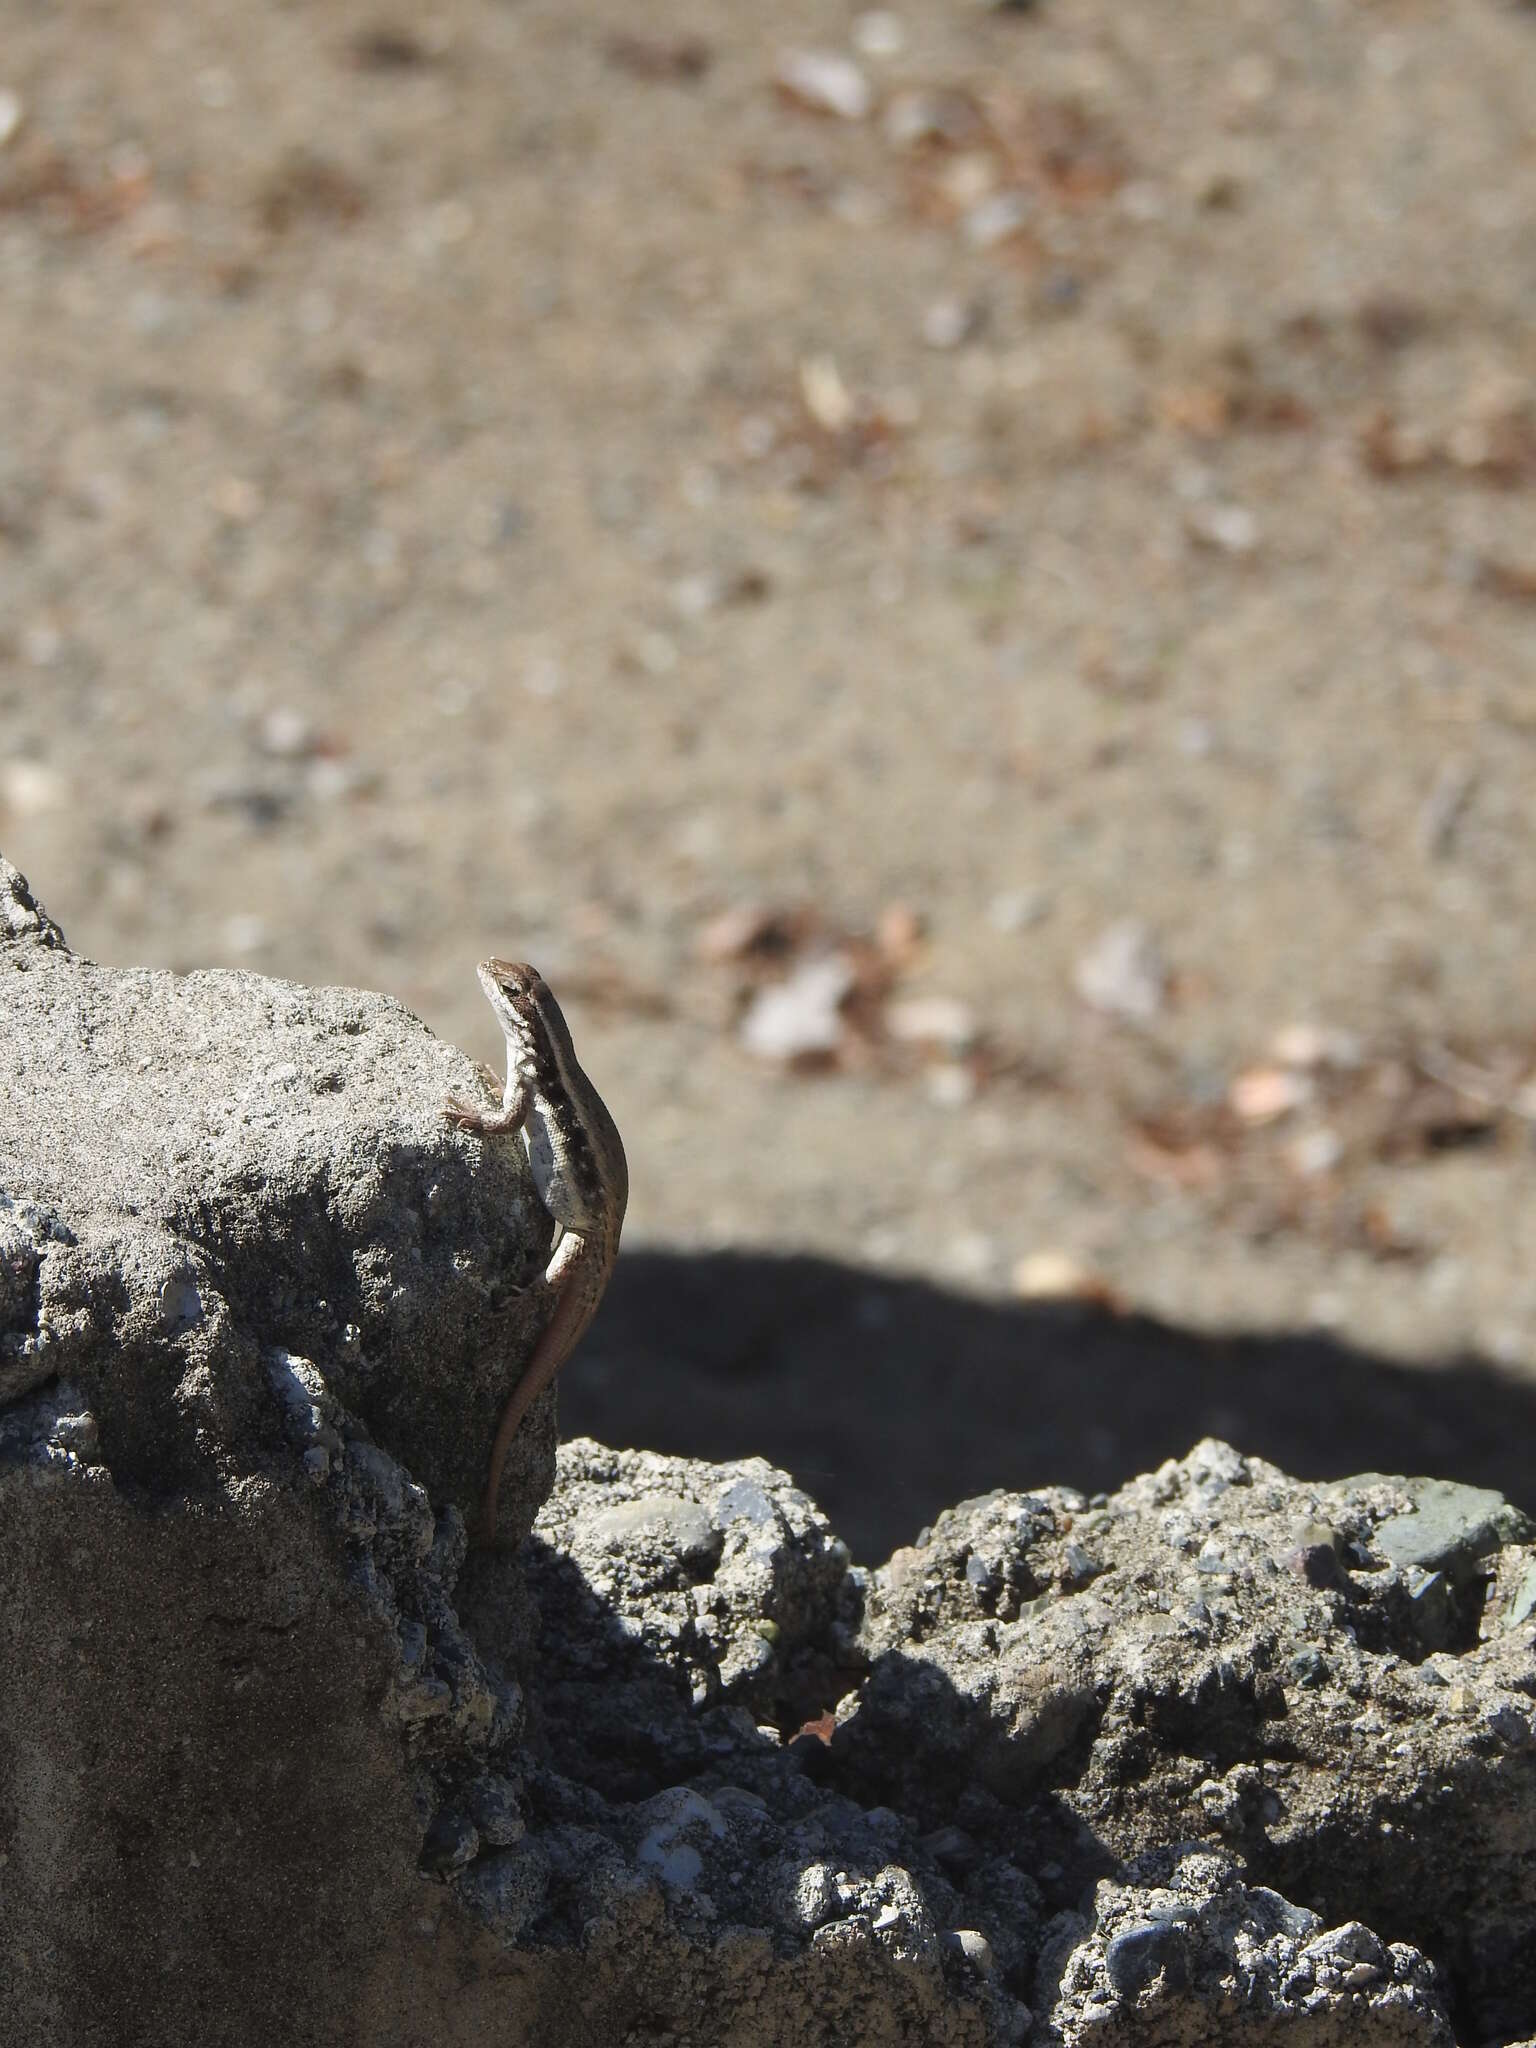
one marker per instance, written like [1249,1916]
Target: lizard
[579,1171]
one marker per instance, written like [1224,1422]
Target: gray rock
[1179,1948]
[1345,1779]
[672,1523]
[1449,1525]
[508,1889]
[1523,1602]
[200,1170]
[257,1706]
[279,1758]
[495,1807]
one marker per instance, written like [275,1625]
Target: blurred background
[962,580]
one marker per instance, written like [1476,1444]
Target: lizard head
[532,1020]
[510,984]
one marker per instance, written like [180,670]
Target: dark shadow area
[890,1398]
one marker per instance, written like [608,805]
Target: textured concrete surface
[1221,1757]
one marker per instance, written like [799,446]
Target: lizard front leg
[509,1115]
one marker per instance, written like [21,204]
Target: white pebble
[975,1947]
[947,323]
[932,1020]
[951,1086]
[286,734]
[997,219]
[28,788]
[825,82]
[1231,528]
[971,1256]
[1123,973]
[693,596]
[1056,1276]
[878,33]
[1316,1045]
[329,780]
[827,397]
[1261,1095]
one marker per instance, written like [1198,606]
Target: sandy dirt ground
[962,580]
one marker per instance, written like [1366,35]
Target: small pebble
[329,780]
[1079,1566]
[1057,1276]
[10,114]
[966,180]
[1015,910]
[1315,1045]
[949,322]
[932,1020]
[286,734]
[878,33]
[1123,974]
[1230,528]
[1315,1152]
[1262,1095]
[953,1847]
[29,788]
[971,1255]
[996,219]
[824,82]
[692,596]
[915,118]
[951,1086]
[827,398]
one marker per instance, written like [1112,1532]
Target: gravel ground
[1054,540]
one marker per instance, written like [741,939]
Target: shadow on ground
[889,1399]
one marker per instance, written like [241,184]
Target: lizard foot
[464,1116]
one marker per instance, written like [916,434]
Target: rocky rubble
[1223,1757]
